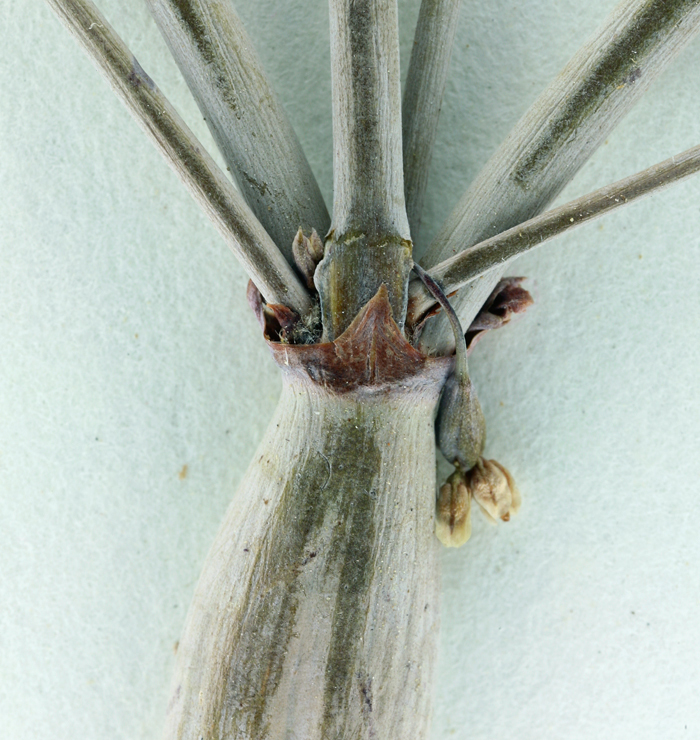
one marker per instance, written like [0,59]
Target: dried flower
[453,524]
[494,489]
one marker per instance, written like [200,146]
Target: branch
[367,166]
[217,59]
[478,260]
[566,124]
[207,184]
[425,88]
[369,240]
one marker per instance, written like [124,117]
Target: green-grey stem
[425,88]
[219,63]
[209,186]
[557,135]
[492,253]
[369,243]
[317,609]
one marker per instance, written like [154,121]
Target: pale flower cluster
[489,484]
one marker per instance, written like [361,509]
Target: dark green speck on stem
[619,66]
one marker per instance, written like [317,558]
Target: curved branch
[561,130]
[221,68]
[480,259]
[207,184]
[437,293]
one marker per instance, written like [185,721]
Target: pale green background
[128,352]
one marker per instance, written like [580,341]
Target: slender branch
[566,124]
[478,260]
[370,239]
[207,184]
[425,88]
[217,59]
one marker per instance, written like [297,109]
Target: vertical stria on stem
[556,136]
[316,615]
[369,243]
[425,88]
[219,63]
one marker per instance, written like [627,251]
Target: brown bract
[372,354]
[508,298]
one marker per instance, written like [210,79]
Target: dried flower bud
[315,246]
[453,524]
[494,489]
[507,299]
[460,426]
[308,252]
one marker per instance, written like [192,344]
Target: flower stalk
[425,89]
[249,125]
[494,253]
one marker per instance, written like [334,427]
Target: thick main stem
[316,615]
[369,242]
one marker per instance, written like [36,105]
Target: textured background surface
[134,389]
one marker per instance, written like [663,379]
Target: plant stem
[369,243]
[425,89]
[480,259]
[561,130]
[318,605]
[209,186]
[218,61]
